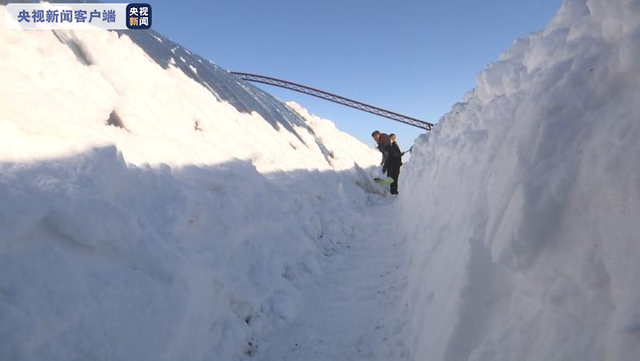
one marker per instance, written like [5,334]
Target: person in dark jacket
[391,157]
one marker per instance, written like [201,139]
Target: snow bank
[523,214]
[151,211]
[105,260]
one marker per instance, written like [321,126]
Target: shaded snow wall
[525,200]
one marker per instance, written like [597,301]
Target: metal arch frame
[334,98]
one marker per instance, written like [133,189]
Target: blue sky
[413,57]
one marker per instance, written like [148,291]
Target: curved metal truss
[334,98]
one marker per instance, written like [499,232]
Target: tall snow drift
[525,202]
[152,206]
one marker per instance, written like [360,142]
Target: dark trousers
[393,171]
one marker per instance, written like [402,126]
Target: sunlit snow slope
[524,211]
[153,207]
[61,90]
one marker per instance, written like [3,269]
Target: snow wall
[154,207]
[524,207]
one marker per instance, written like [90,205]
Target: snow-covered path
[355,311]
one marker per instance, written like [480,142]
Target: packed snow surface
[153,207]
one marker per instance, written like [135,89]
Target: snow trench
[213,229]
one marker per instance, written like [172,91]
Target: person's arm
[384,162]
[407,151]
[384,156]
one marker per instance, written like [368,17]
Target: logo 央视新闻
[138,16]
